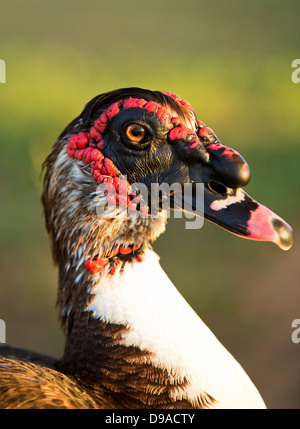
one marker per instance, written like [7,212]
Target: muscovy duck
[132,341]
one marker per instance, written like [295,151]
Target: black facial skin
[156,160]
[144,162]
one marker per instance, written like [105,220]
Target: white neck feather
[144,299]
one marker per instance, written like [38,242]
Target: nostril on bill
[217,187]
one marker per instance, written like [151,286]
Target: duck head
[135,136]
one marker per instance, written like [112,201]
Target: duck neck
[130,332]
[116,334]
[101,292]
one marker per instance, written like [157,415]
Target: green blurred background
[232,61]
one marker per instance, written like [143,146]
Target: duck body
[132,341]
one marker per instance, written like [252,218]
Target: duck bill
[238,213]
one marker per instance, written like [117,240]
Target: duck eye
[136,133]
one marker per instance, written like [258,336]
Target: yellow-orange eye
[136,133]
